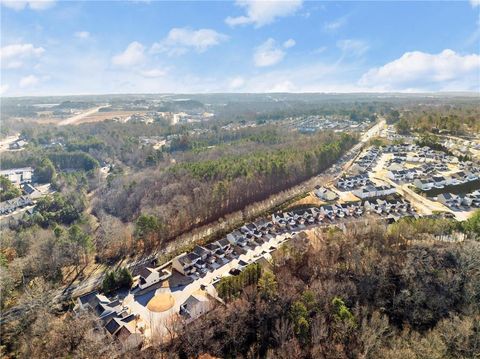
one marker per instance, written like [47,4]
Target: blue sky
[68,47]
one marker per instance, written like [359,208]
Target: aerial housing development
[379,184]
[251,179]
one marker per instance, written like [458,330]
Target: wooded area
[194,193]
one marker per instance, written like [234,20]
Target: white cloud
[3,89]
[315,77]
[268,54]
[180,40]
[420,71]
[320,50]
[261,12]
[475,3]
[236,82]
[335,24]
[36,5]
[29,81]
[82,34]
[12,56]
[133,55]
[289,43]
[153,73]
[352,47]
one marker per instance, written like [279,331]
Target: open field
[86,117]
[78,118]
[103,116]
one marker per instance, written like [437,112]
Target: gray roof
[113,325]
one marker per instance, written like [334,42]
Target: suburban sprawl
[143,217]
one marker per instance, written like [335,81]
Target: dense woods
[197,192]
[450,119]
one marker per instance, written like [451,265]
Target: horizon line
[462,92]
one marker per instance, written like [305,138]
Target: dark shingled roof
[112,326]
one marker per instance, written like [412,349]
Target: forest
[372,292]
[447,119]
[194,193]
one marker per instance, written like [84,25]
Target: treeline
[231,286]
[198,192]
[61,160]
[73,160]
[450,119]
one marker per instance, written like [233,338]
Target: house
[325,194]
[114,317]
[128,330]
[248,228]
[18,144]
[373,191]
[328,211]
[149,276]
[402,175]
[475,198]
[18,176]
[91,300]
[262,224]
[235,236]
[29,189]
[349,183]
[105,311]
[185,263]
[213,247]
[196,305]
[202,252]
[225,246]
[439,181]
[423,184]
[449,199]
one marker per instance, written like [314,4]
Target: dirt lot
[311,199]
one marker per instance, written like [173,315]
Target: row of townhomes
[353,182]
[369,159]
[429,182]
[203,259]
[14,204]
[459,201]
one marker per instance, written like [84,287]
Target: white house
[150,276]
[18,176]
[196,305]
[325,194]
[185,263]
